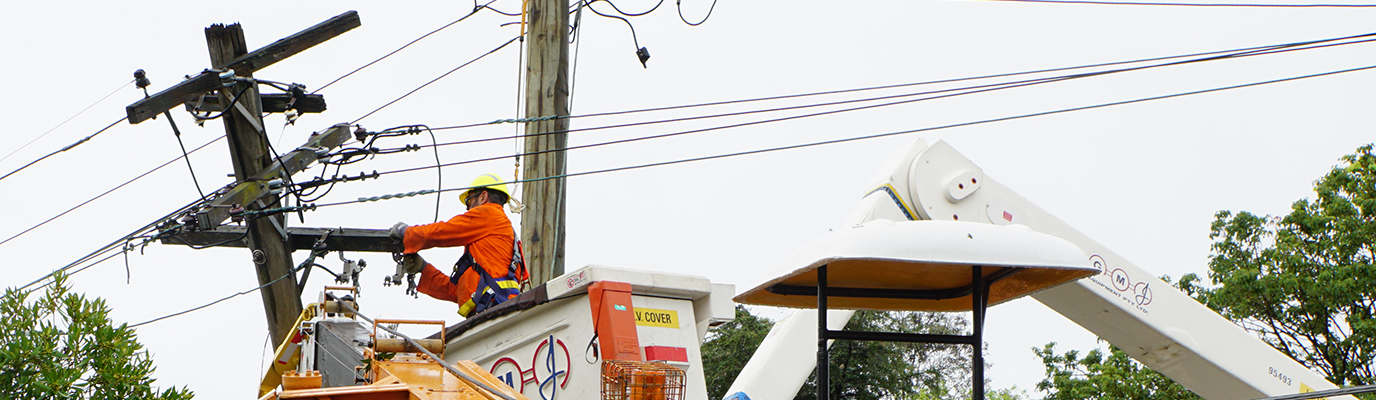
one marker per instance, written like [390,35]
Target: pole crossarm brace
[301,238]
[257,187]
[190,89]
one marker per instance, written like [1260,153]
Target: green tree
[1305,282]
[859,370]
[1099,377]
[728,347]
[892,370]
[64,346]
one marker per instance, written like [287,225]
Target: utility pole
[255,166]
[248,150]
[547,94]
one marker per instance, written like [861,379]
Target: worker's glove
[398,232]
[412,263]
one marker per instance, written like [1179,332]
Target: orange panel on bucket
[614,319]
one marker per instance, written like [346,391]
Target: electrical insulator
[141,79]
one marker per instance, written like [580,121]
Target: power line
[679,3]
[893,86]
[69,147]
[874,136]
[78,114]
[957,92]
[738,125]
[476,8]
[750,152]
[169,162]
[618,9]
[435,80]
[289,273]
[1125,3]
[105,249]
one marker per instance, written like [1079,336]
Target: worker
[490,271]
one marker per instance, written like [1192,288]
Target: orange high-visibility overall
[486,233]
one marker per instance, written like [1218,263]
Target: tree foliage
[859,370]
[1305,282]
[867,370]
[1098,377]
[64,346]
[728,347]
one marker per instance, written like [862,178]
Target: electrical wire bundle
[308,193]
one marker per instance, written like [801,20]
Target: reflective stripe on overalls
[491,291]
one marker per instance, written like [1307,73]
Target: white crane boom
[1125,305]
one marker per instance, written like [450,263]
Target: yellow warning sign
[657,318]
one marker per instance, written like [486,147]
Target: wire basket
[641,380]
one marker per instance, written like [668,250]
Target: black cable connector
[644,55]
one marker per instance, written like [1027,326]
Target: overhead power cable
[948,93]
[284,276]
[759,151]
[126,183]
[69,119]
[922,83]
[476,8]
[69,147]
[488,6]
[494,50]
[874,136]
[679,3]
[618,9]
[114,244]
[1129,3]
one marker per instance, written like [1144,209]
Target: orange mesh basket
[641,380]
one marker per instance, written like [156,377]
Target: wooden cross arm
[302,238]
[296,43]
[189,89]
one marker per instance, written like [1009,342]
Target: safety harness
[491,291]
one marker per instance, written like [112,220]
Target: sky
[1145,179]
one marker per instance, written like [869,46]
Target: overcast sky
[1144,179]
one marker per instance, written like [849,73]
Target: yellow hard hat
[486,181]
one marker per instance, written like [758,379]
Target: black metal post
[823,359]
[979,301]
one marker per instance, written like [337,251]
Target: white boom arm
[1133,310]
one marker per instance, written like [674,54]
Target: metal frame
[979,295]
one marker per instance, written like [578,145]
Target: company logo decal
[1135,293]
[549,369]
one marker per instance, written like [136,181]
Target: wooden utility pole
[248,150]
[547,94]
[254,165]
